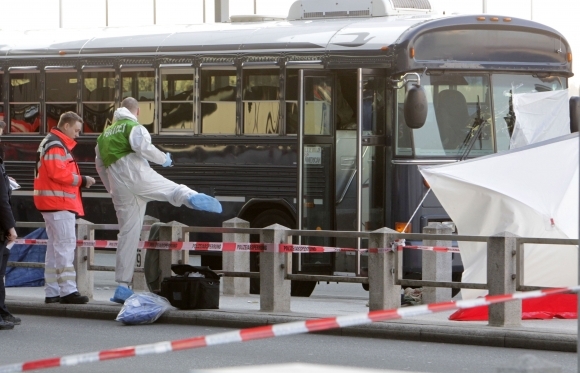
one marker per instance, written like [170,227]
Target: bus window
[141,86]
[61,95]
[98,95]
[458,105]
[177,100]
[291,102]
[218,101]
[317,105]
[504,86]
[25,102]
[261,98]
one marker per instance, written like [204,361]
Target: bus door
[315,172]
[359,196]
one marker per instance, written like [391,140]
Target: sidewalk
[327,300]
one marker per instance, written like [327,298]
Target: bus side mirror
[415,108]
[574,113]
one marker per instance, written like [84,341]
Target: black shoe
[6,325]
[74,298]
[11,318]
[52,299]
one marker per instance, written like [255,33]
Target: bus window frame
[97,69]
[175,70]
[242,99]
[57,70]
[218,67]
[133,69]
[8,100]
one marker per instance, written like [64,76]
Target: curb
[410,330]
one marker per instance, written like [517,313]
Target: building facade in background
[50,14]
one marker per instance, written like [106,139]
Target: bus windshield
[468,114]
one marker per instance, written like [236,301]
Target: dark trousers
[4,254]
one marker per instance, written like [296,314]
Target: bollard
[84,278]
[139,282]
[274,289]
[436,265]
[171,232]
[383,293]
[501,279]
[236,261]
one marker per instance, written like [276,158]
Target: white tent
[540,116]
[531,191]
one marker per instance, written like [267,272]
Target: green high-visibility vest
[114,141]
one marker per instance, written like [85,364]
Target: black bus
[276,117]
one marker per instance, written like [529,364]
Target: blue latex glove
[168,160]
[204,202]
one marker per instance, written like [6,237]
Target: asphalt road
[43,337]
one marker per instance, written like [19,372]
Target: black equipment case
[188,293]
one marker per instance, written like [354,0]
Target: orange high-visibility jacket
[57,180]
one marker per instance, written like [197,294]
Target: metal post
[139,282]
[274,289]
[84,277]
[383,293]
[436,265]
[171,232]
[501,279]
[358,164]
[233,261]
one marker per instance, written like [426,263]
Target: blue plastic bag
[143,308]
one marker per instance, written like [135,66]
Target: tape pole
[272,331]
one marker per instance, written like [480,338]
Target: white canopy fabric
[531,192]
[540,116]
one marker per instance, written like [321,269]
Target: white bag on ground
[143,308]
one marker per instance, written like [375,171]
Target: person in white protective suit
[123,153]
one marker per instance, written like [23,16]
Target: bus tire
[264,219]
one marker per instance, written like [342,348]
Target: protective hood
[123,113]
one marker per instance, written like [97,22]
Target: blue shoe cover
[121,294]
[201,201]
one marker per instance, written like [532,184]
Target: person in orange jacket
[57,195]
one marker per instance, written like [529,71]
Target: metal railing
[504,250]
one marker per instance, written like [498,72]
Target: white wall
[74,13]
[45,14]
[29,14]
[173,12]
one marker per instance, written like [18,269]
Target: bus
[317,121]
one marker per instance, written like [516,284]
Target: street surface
[43,337]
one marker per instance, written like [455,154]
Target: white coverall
[59,273]
[132,183]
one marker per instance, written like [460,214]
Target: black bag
[188,293]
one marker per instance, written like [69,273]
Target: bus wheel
[264,219]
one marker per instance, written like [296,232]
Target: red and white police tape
[270,331]
[202,246]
